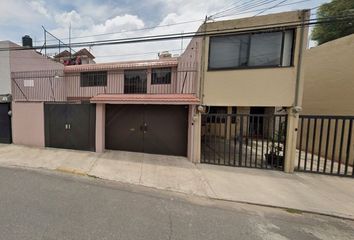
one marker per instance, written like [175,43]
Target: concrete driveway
[307,192]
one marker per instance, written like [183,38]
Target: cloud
[73,18]
[38,6]
[95,17]
[119,23]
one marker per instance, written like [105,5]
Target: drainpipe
[299,62]
[202,63]
[196,114]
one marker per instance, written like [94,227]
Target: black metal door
[5,123]
[70,126]
[154,129]
[167,130]
[124,127]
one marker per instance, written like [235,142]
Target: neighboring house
[160,106]
[82,56]
[329,89]
[17,61]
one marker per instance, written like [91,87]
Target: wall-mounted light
[201,108]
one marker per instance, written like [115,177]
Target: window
[161,76]
[228,51]
[93,79]
[267,49]
[135,81]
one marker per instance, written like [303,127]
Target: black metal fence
[244,140]
[325,145]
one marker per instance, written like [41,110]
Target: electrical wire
[270,8]
[174,36]
[247,6]
[252,11]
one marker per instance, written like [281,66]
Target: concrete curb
[77,172]
[288,209]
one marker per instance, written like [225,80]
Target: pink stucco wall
[100,127]
[30,60]
[29,65]
[115,85]
[28,123]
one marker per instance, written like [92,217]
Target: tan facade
[329,90]
[257,86]
[329,78]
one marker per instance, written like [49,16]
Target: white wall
[5,79]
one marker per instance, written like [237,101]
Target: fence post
[291,138]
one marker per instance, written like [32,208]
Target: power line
[248,5]
[271,7]
[174,36]
[115,55]
[252,11]
[134,30]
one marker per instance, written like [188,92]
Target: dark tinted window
[267,49]
[135,81]
[161,76]
[92,79]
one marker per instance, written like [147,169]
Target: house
[141,106]
[17,61]
[329,90]
[249,67]
[82,56]
[231,75]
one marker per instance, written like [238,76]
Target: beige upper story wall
[253,87]
[329,78]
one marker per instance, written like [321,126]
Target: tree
[329,31]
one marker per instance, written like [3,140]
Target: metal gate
[244,140]
[325,145]
[157,129]
[70,126]
[5,123]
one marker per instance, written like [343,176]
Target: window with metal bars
[93,79]
[161,76]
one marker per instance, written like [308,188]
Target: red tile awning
[176,99]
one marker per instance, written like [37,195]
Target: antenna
[182,41]
[70,38]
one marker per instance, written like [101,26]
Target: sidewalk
[303,191]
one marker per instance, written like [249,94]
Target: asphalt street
[38,204]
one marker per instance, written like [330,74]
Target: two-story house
[142,106]
[250,70]
[219,90]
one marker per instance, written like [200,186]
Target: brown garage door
[157,129]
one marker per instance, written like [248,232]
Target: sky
[97,19]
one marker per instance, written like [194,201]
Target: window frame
[86,82]
[162,68]
[138,87]
[249,47]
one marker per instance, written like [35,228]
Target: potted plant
[275,155]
